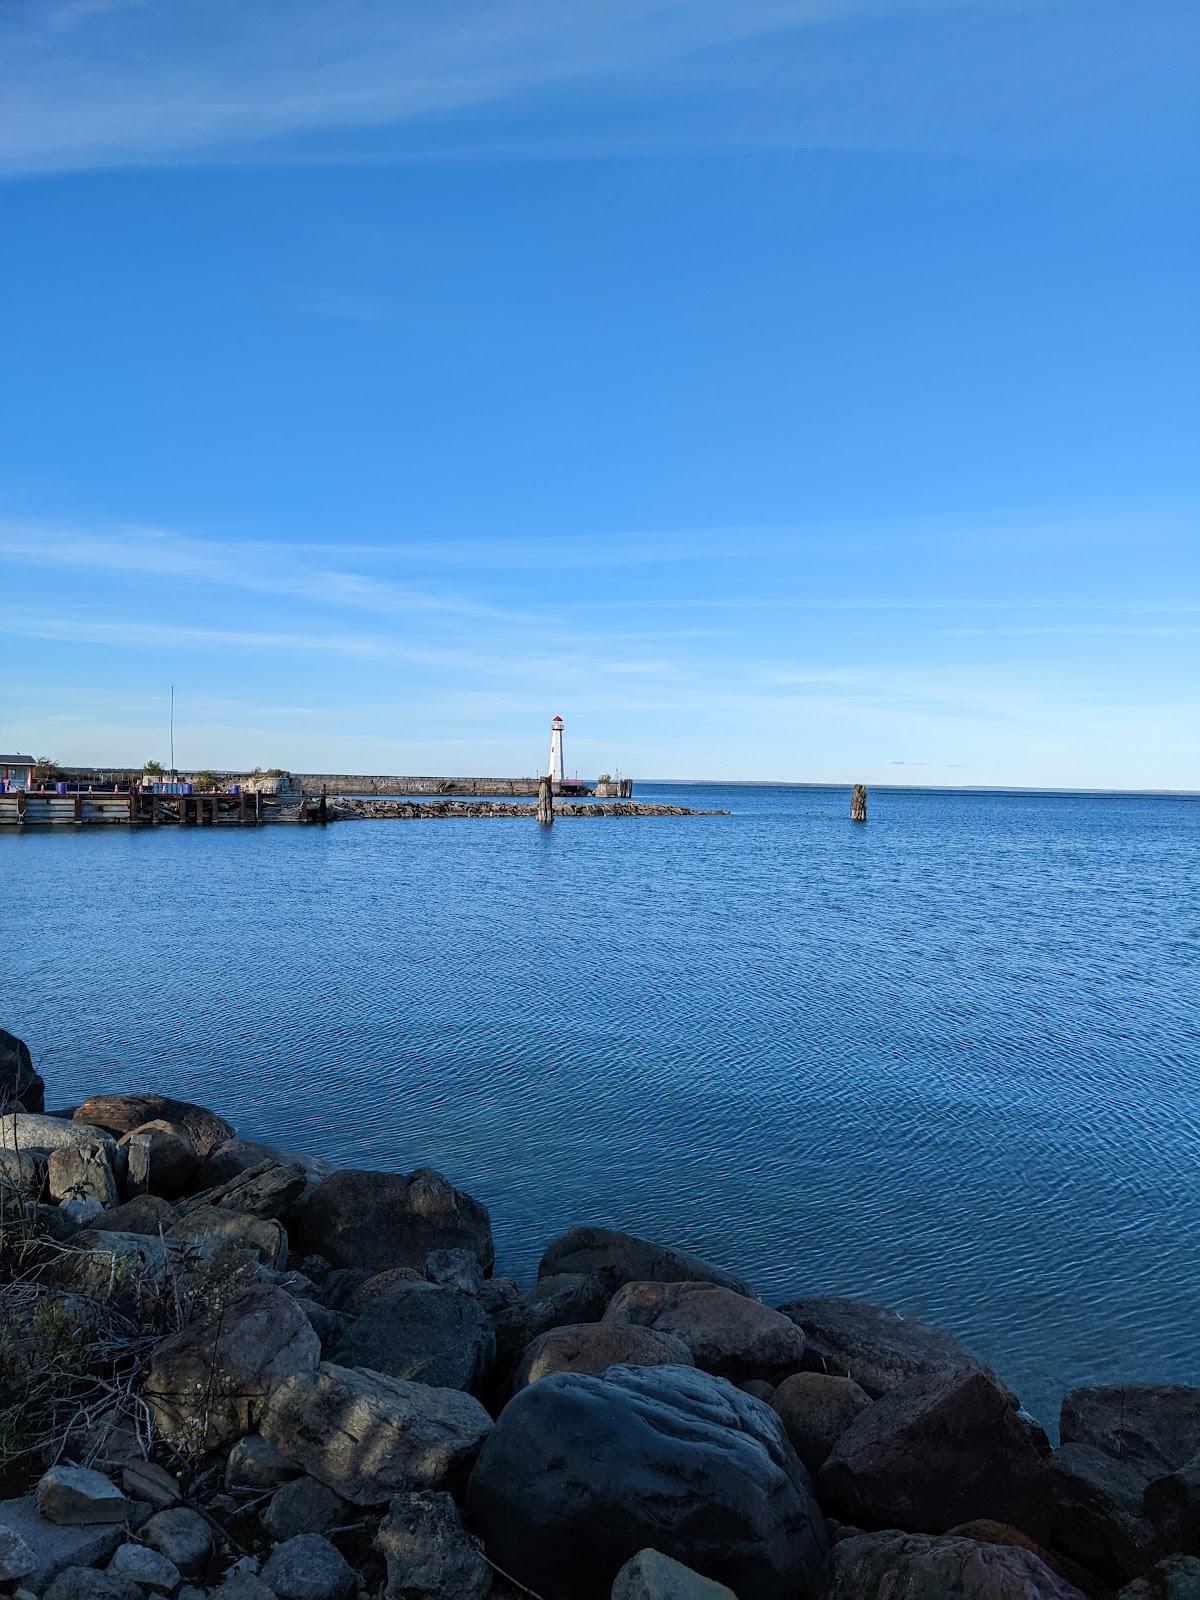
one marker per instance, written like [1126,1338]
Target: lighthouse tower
[556,761]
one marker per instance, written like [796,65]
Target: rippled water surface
[949,1061]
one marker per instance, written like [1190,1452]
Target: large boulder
[1154,1427]
[816,1409]
[429,1554]
[565,1299]
[79,1496]
[932,1454]
[56,1547]
[160,1159]
[369,1437]
[650,1575]
[237,1156]
[145,1213]
[581,1472]
[208,1383]
[390,1219]
[214,1228]
[82,1172]
[1176,1578]
[308,1567]
[422,1331]
[23,1171]
[268,1189]
[1172,1504]
[20,1085]
[593,1348]
[616,1258]
[913,1566]
[23,1130]
[123,1113]
[878,1348]
[728,1334]
[1098,1518]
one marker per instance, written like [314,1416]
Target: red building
[16,772]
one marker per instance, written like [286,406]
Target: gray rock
[148,1482]
[1154,1427]
[650,1575]
[329,1326]
[917,1567]
[123,1113]
[242,1585]
[1176,1578]
[147,1568]
[566,1299]
[192,1591]
[19,1083]
[878,1348]
[369,1437]
[56,1547]
[581,1472]
[616,1258]
[160,1160]
[1098,1512]
[82,1171]
[85,1583]
[497,1293]
[237,1156]
[386,1219]
[265,1240]
[429,1554]
[255,1464]
[24,1171]
[935,1453]
[426,1332]
[457,1269]
[728,1334]
[79,1497]
[17,1560]
[304,1506]
[145,1213]
[816,1410]
[84,1210]
[1172,1503]
[129,1269]
[268,1190]
[308,1567]
[182,1535]
[208,1383]
[23,1130]
[593,1348]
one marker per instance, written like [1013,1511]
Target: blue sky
[798,389]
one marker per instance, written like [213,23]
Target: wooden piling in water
[545,807]
[858,803]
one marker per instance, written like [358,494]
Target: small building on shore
[16,772]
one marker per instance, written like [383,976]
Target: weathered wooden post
[545,811]
[858,803]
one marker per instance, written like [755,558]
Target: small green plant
[204,781]
[604,778]
[152,769]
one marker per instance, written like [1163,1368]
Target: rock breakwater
[344,809]
[228,1372]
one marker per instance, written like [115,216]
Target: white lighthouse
[556,760]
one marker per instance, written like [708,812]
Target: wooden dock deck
[20,808]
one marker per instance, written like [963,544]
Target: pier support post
[545,807]
[858,803]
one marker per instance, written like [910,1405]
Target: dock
[137,807]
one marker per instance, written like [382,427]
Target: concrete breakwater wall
[235,1373]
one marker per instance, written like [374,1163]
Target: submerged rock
[580,1473]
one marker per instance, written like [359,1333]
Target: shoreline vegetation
[229,1370]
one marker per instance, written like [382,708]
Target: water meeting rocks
[19,1083]
[1153,1427]
[582,1472]
[369,1437]
[875,1346]
[390,1219]
[727,1333]
[617,1258]
[933,1454]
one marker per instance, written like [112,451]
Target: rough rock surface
[565,1299]
[1154,1427]
[268,1189]
[932,1454]
[876,1347]
[650,1575]
[1098,1512]
[160,1159]
[387,1219]
[255,1464]
[429,1554]
[1172,1503]
[816,1409]
[122,1113]
[616,1258]
[581,1472]
[83,1171]
[147,1568]
[914,1566]
[1176,1578]
[180,1534]
[304,1506]
[22,1130]
[19,1083]
[308,1567]
[84,1583]
[23,1170]
[728,1334]
[146,1213]
[208,1383]
[593,1348]
[426,1332]
[55,1547]
[213,1226]
[17,1560]
[79,1496]
[455,1269]
[369,1437]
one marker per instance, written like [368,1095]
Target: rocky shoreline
[343,809]
[228,1370]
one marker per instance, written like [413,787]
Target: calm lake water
[949,1061]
